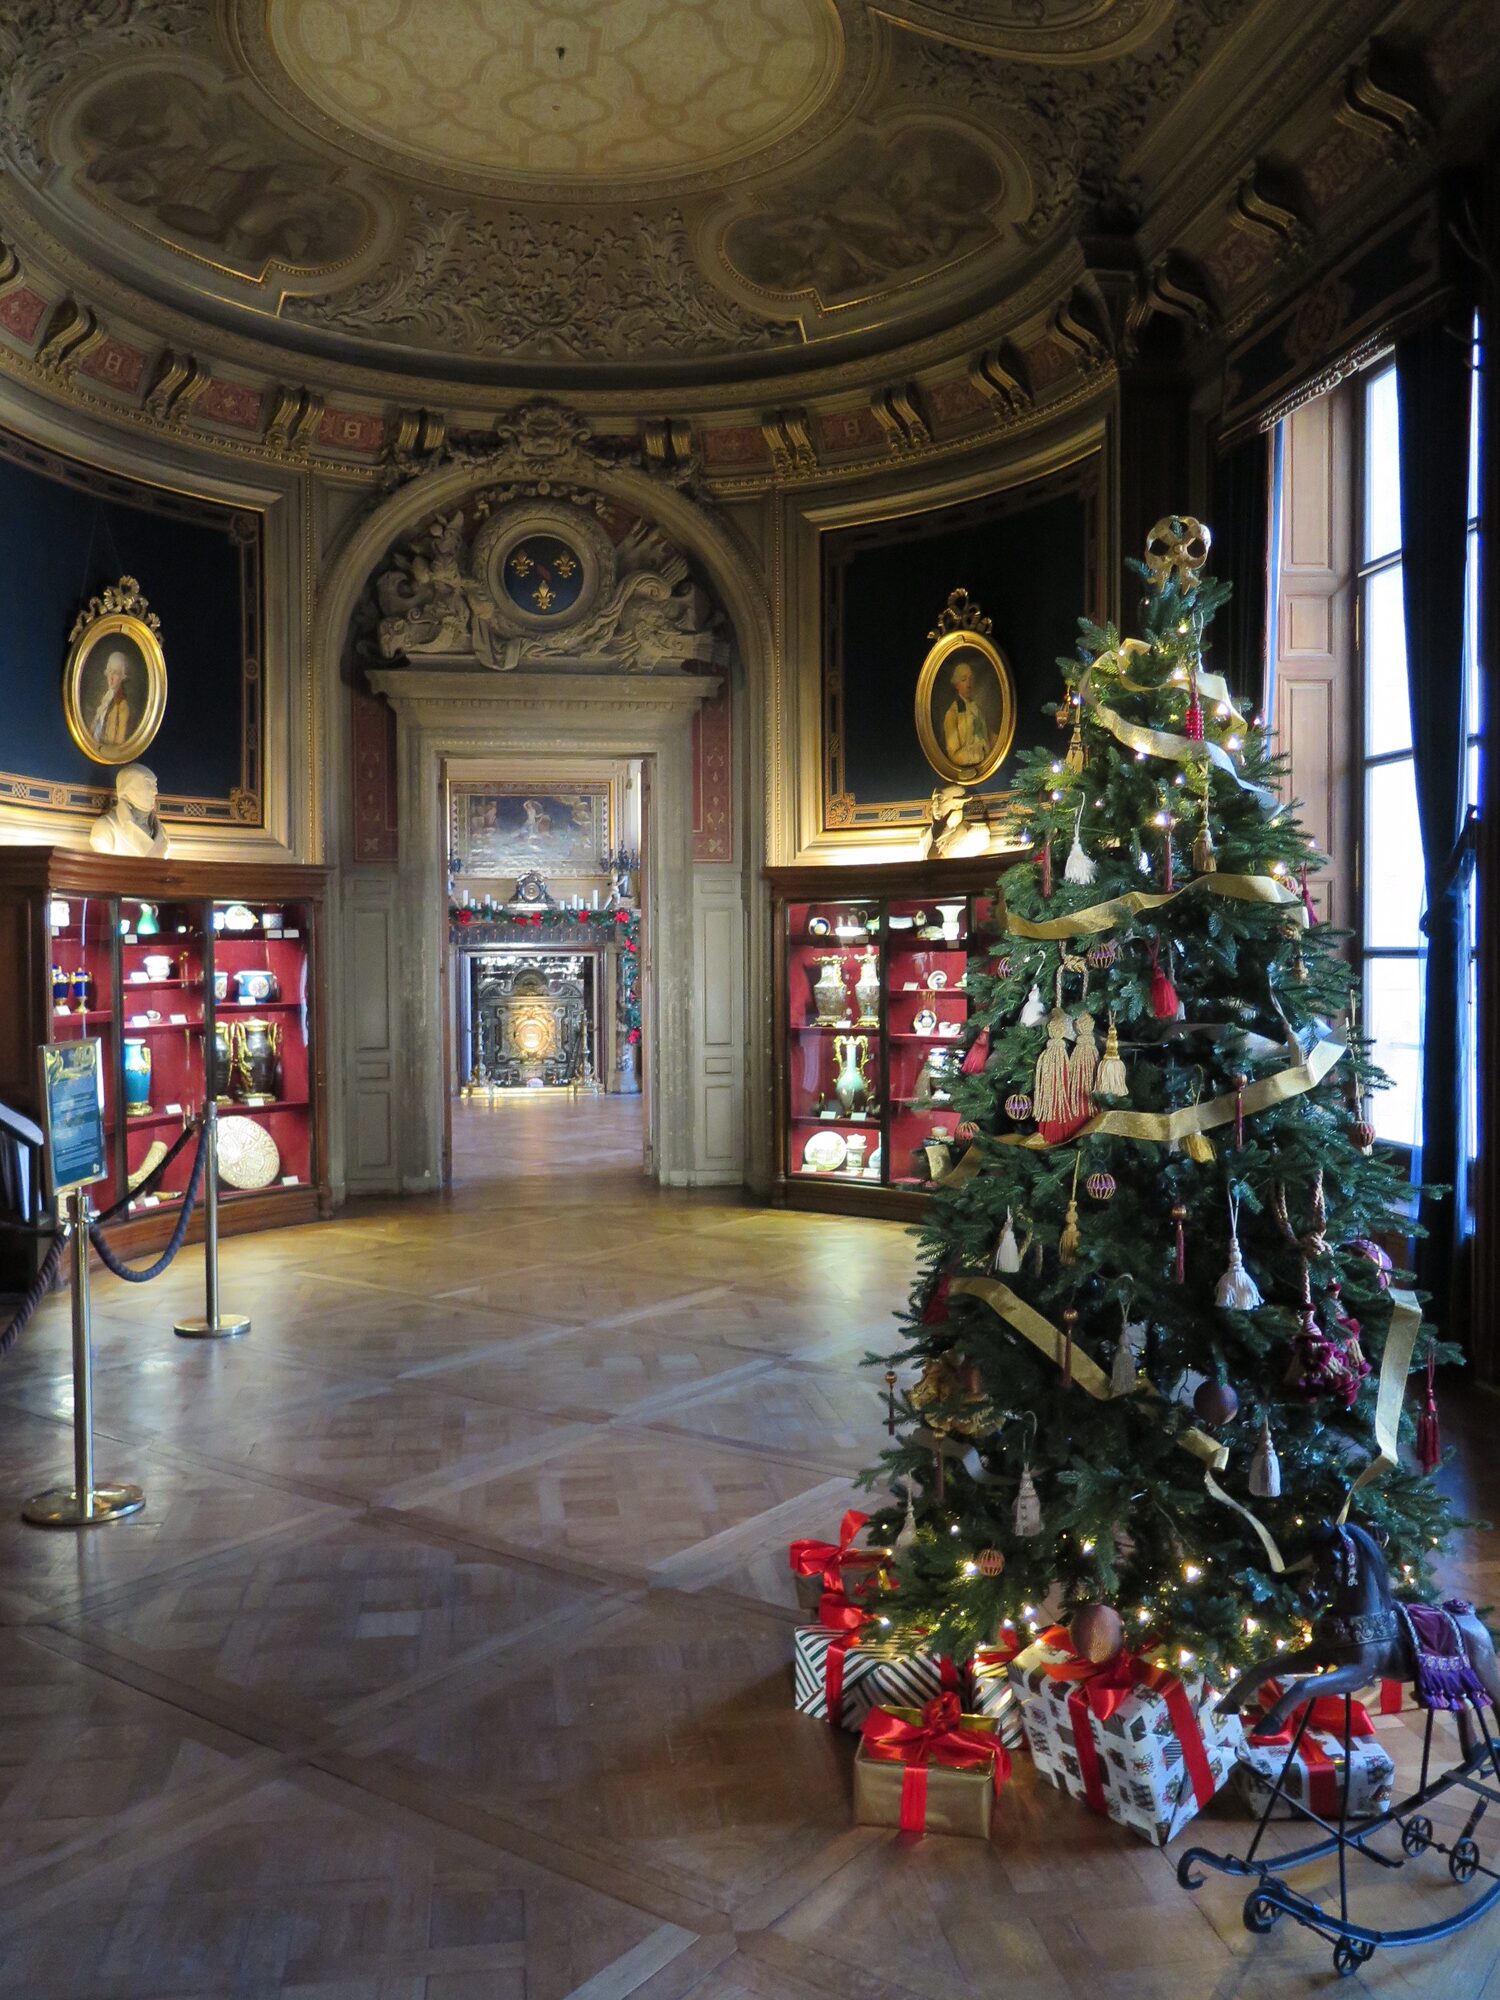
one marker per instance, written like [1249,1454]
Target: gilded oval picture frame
[114,687]
[966,707]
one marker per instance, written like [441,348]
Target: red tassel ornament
[978,1054]
[1047,866]
[936,1310]
[1307,901]
[1164,1001]
[1429,1437]
[1239,1110]
[1179,1218]
[1192,722]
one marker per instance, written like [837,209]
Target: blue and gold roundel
[542,576]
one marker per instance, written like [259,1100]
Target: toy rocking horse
[1360,1634]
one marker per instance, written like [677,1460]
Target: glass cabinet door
[82,933]
[927,1008]
[161,1033]
[835,1016]
[261,1046]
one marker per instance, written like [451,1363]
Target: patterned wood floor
[448,1660]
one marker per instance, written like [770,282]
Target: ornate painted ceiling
[420,199]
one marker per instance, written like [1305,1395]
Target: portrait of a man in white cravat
[966,707]
[112,719]
[968,736]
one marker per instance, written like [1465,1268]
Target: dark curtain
[1432,375]
[1240,520]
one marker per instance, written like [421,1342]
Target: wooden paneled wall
[1316,716]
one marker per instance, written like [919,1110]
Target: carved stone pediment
[522,582]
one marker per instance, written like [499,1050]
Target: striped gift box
[990,1693]
[875,1675]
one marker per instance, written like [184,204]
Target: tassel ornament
[1429,1436]
[1081,868]
[1077,757]
[977,1055]
[1047,866]
[1083,1064]
[1125,1368]
[1109,1078]
[1034,1012]
[1205,861]
[1179,1259]
[1165,1004]
[1050,1101]
[906,1534]
[1265,1468]
[1028,1509]
[1069,1320]
[1068,1242]
[1236,1291]
[1192,722]
[1007,1250]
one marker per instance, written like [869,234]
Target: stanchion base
[228,1326]
[59,1506]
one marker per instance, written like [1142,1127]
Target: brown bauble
[990,1562]
[1216,1402]
[1362,1132]
[1096,1633]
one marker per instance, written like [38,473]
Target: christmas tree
[1153,1313]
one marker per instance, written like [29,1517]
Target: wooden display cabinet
[194,975]
[870,969]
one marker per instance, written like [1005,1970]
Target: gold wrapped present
[928,1770]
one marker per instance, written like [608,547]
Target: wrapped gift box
[1315,1778]
[989,1693]
[838,1566]
[861,1672]
[927,1770]
[1134,1742]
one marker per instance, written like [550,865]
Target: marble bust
[131,825]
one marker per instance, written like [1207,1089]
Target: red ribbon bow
[840,1614]
[1325,1713]
[939,1738]
[1100,1690]
[830,1559]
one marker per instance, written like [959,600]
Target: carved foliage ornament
[543,585]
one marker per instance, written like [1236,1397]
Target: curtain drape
[1432,376]
[1240,489]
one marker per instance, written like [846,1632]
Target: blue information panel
[73,1114]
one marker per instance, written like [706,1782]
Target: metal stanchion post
[83,1504]
[214,1325]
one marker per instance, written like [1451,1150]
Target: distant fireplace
[533,1018]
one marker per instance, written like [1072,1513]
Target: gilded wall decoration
[525,284]
[203,171]
[1038,30]
[886,208]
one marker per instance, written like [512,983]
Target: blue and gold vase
[137,1078]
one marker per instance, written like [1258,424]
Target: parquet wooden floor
[449,1657]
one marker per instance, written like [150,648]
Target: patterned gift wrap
[1315,1778]
[1131,1762]
[990,1693]
[945,1785]
[860,1572]
[862,1673]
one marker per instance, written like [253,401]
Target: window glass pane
[1394,886]
[1393,1021]
[1471,1067]
[1382,467]
[1473,703]
[1387,700]
[1474,353]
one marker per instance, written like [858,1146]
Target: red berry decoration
[1216,1402]
[1018,1106]
[1100,1187]
[1096,1633]
[989,1562]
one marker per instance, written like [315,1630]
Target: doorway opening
[546,973]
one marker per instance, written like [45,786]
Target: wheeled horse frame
[1354,1944]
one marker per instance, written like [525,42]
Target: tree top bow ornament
[1176,550]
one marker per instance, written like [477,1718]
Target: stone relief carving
[1075,125]
[40,47]
[880,211]
[527,284]
[547,447]
[203,170]
[442,601]
[1038,30]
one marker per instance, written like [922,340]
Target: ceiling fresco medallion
[558,94]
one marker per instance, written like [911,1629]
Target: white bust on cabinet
[131,825]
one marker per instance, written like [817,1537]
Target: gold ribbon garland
[1099,917]
[1395,1366]
[1166,743]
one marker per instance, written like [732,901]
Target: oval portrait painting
[966,708]
[115,688]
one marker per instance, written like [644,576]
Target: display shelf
[260,1006]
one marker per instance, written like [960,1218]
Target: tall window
[1392,885]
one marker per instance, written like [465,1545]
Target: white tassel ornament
[1126,1365]
[1007,1252]
[1237,1291]
[1081,868]
[906,1535]
[1265,1468]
